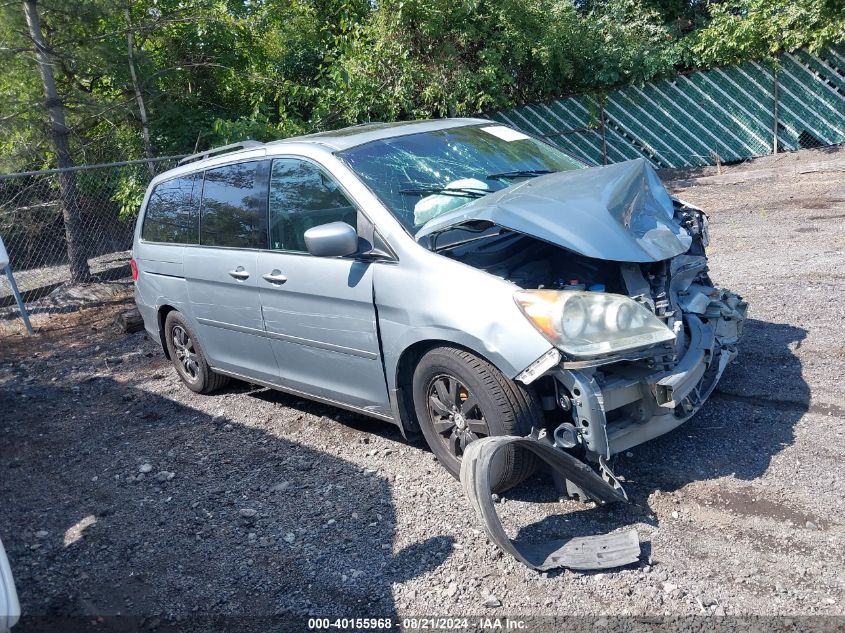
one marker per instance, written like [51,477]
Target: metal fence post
[603,132]
[774,110]
[7,267]
[21,305]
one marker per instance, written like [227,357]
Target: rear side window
[233,208]
[303,196]
[172,213]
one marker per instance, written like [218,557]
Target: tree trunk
[139,97]
[79,271]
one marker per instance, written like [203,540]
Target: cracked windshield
[422,176]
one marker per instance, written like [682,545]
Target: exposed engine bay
[613,272]
[530,262]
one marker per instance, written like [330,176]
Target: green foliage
[757,29]
[216,71]
[431,58]
[129,193]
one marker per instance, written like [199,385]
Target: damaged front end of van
[613,272]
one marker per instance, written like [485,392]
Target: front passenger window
[303,196]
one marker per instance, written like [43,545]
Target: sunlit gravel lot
[125,493]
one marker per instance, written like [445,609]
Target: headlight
[574,318]
[590,324]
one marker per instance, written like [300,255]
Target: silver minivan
[456,277]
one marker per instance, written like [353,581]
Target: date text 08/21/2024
[414,624]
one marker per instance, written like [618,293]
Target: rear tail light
[134,267]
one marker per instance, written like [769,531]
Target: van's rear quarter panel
[161,280]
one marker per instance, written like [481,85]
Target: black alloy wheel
[459,398]
[455,414]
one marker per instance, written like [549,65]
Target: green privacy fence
[721,115]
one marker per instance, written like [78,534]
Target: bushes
[222,70]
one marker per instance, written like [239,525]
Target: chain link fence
[102,201]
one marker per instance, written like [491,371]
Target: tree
[77,259]
[139,95]
[166,76]
[432,58]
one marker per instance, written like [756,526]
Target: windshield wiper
[519,173]
[448,191]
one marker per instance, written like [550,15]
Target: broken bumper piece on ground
[582,553]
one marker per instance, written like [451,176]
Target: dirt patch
[824,203]
[816,218]
[751,503]
[56,329]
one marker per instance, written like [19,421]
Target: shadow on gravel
[747,421]
[248,524]
[356,421]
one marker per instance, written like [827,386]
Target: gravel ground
[125,493]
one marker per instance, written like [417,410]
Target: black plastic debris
[582,553]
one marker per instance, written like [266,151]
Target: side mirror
[334,239]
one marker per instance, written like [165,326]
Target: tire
[482,394]
[187,356]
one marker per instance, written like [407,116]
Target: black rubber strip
[585,552]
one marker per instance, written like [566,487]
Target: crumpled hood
[620,212]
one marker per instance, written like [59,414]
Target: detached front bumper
[619,406]
[613,407]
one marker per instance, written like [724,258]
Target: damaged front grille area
[600,405]
[639,399]
[612,402]
[615,401]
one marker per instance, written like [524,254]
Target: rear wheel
[459,398]
[187,356]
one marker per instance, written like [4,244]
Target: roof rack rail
[220,150]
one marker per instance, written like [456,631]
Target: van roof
[364,133]
[343,138]
[331,141]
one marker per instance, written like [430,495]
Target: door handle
[239,273]
[276,277]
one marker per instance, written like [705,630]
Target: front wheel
[459,398]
